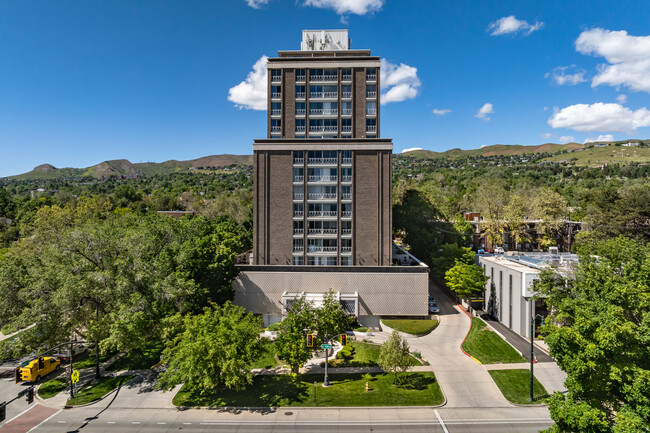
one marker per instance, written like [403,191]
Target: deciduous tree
[394,355]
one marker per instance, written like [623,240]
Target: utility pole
[325,381]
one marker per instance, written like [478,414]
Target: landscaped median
[360,354]
[411,326]
[486,346]
[515,386]
[51,388]
[414,389]
[96,390]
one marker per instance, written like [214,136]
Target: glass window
[346,91]
[276,74]
[298,260]
[346,261]
[300,91]
[371,108]
[300,108]
[371,74]
[346,107]
[300,75]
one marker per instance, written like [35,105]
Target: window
[276,108]
[346,91]
[371,91]
[346,174]
[298,245]
[276,92]
[346,227]
[346,261]
[300,108]
[371,108]
[330,75]
[298,192]
[298,156]
[276,125]
[300,92]
[346,192]
[346,126]
[346,155]
[315,74]
[346,108]
[346,245]
[371,74]
[298,227]
[276,75]
[346,74]
[298,210]
[371,126]
[300,75]
[298,260]
[300,125]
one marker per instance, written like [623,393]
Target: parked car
[35,370]
[64,354]
[499,250]
[433,307]
[480,251]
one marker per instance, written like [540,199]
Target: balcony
[322,178]
[371,77]
[298,232]
[330,128]
[322,232]
[298,249]
[346,78]
[346,161]
[323,111]
[298,214]
[346,111]
[276,95]
[346,128]
[327,161]
[320,249]
[330,95]
[315,95]
[346,178]
[321,196]
[299,196]
[300,78]
[346,232]
[298,178]
[300,111]
[300,129]
[322,213]
[371,128]
[315,128]
[276,129]
[346,214]
[371,111]
[371,95]
[300,95]
[346,196]
[298,161]
[346,95]
[276,78]
[346,250]
[276,112]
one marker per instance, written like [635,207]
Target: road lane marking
[21,413]
[161,422]
[45,420]
[442,424]
[110,422]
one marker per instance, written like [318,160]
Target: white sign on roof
[324,40]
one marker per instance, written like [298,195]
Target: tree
[599,332]
[551,208]
[291,343]
[331,320]
[394,355]
[213,349]
[447,257]
[466,279]
[515,212]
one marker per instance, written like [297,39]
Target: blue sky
[82,82]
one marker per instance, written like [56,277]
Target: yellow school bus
[34,371]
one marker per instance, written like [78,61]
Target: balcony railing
[371,111]
[346,250]
[319,77]
[346,178]
[346,161]
[346,232]
[322,213]
[330,128]
[300,95]
[298,161]
[298,232]
[298,249]
[298,178]
[300,128]
[346,214]
[371,94]
[276,78]
[346,111]
[371,77]
[321,195]
[322,231]
[298,196]
[275,129]
[276,95]
[316,178]
[330,94]
[300,111]
[346,128]
[322,161]
[346,196]
[323,111]
[313,128]
[298,214]
[276,112]
[320,249]
[301,78]
[315,95]
[346,94]
[371,128]
[346,77]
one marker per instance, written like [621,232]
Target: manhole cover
[288,413]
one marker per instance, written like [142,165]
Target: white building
[509,289]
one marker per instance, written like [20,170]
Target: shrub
[345,353]
[274,327]
[361,329]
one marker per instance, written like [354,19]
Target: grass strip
[96,390]
[139,359]
[486,346]
[412,326]
[87,359]
[51,388]
[267,360]
[362,355]
[415,389]
[515,386]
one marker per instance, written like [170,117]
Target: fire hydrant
[367,387]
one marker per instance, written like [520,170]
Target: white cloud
[561,77]
[546,135]
[621,98]
[399,82]
[411,149]
[442,112]
[485,111]
[251,93]
[600,117]
[357,7]
[628,58]
[256,4]
[566,139]
[602,137]
[510,24]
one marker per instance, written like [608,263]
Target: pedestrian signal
[310,340]
[344,340]
[30,395]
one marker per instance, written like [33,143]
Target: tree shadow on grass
[415,381]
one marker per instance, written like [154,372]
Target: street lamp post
[326,382]
[532,346]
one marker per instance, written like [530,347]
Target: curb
[291,408]
[67,406]
[470,328]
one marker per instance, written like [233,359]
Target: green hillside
[604,155]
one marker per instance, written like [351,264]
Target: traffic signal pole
[325,381]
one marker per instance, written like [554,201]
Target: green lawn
[414,327]
[515,386]
[488,347]
[51,388]
[139,359]
[96,390]
[418,389]
[267,360]
[87,359]
[362,355]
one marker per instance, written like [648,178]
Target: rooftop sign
[324,40]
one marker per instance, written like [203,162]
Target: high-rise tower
[322,176]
